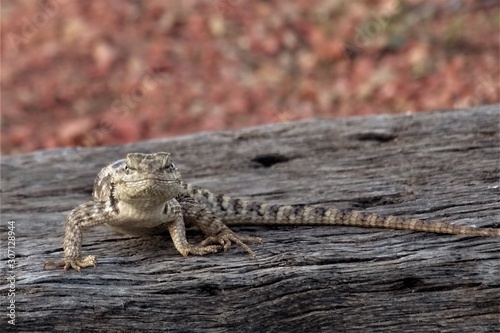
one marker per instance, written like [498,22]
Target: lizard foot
[75,263]
[227,237]
[201,249]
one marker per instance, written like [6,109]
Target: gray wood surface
[432,165]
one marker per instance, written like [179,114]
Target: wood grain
[439,165]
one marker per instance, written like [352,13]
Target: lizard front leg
[215,230]
[80,219]
[177,230]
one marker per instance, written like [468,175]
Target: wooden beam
[432,165]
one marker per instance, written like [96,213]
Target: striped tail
[240,212]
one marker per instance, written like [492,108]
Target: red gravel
[86,73]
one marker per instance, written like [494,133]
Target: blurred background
[90,73]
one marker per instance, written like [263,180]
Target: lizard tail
[240,212]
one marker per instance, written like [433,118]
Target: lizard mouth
[154,179]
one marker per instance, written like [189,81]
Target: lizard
[144,194]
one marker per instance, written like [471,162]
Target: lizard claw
[68,263]
[227,237]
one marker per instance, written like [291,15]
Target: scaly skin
[144,195]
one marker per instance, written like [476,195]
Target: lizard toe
[204,249]
[74,263]
[227,237]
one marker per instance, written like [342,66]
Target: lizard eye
[169,167]
[126,169]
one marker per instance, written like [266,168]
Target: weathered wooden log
[434,165]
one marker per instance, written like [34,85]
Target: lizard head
[139,177]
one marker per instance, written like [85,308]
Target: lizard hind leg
[215,230]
